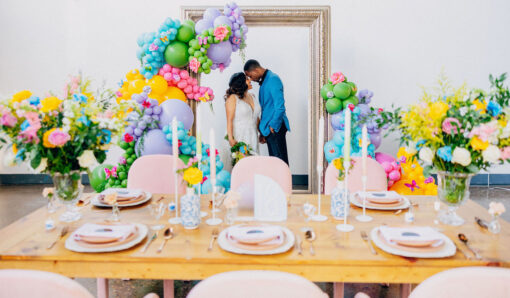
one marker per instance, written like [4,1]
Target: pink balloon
[182,84]
[195,88]
[167,76]
[184,75]
[395,165]
[194,81]
[175,70]
[382,157]
[390,183]
[166,68]
[197,96]
[394,175]
[161,72]
[202,90]
[188,89]
[387,167]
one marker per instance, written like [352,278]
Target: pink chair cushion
[376,177]
[155,174]
[244,172]
[466,282]
[255,284]
[39,284]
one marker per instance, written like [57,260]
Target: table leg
[102,287]
[405,290]
[168,288]
[338,290]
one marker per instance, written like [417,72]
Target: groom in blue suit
[273,121]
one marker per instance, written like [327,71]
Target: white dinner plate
[74,246]
[95,201]
[404,205]
[226,245]
[448,249]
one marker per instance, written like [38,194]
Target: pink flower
[58,137]
[451,125]
[8,120]
[505,153]
[29,135]
[337,77]
[194,64]
[484,131]
[221,32]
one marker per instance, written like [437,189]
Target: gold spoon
[168,234]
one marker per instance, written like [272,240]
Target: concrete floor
[17,201]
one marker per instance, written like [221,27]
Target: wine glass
[157,211]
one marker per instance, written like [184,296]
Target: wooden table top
[340,257]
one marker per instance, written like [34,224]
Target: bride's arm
[230,108]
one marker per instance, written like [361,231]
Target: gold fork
[365,237]
[214,236]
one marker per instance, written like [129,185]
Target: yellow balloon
[174,93]
[158,85]
[134,75]
[136,86]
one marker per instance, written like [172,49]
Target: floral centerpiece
[190,203]
[339,165]
[240,151]
[63,135]
[340,194]
[457,133]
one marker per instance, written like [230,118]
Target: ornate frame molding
[317,19]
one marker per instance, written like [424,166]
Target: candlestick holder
[346,227]
[202,213]
[319,217]
[175,220]
[214,221]
[363,217]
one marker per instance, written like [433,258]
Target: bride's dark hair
[237,85]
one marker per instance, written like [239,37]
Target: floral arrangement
[240,151]
[496,209]
[339,165]
[456,130]
[60,134]
[191,174]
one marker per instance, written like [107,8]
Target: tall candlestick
[364,149]
[347,138]
[199,132]
[175,153]
[320,148]
[320,152]
[212,156]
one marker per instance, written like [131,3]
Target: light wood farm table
[340,257]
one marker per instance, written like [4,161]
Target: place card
[270,202]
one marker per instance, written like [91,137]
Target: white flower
[461,156]
[48,191]
[66,121]
[496,208]
[87,159]
[411,148]
[426,155]
[491,154]
[42,166]
[463,111]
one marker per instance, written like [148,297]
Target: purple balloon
[154,143]
[148,111]
[176,108]
[364,109]
[222,20]
[337,121]
[375,138]
[156,110]
[211,14]
[219,53]
[129,130]
[138,132]
[203,25]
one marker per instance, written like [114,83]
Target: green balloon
[176,54]
[207,71]
[185,33]
[327,91]
[98,177]
[130,151]
[342,90]
[333,105]
[354,89]
[123,145]
[124,183]
[189,23]
[352,99]
[122,175]
[185,158]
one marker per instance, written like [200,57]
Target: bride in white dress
[243,112]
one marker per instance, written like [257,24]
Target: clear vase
[340,201]
[494,225]
[453,190]
[190,209]
[68,189]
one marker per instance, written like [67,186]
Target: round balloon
[174,93]
[333,105]
[337,121]
[176,108]
[342,90]
[158,84]
[220,52]
[185,33]
[98,177]
[176,54]
[375,139]
[211,13]
[222,20]
[154,142]
[351,99]
[327,91]
[203,25]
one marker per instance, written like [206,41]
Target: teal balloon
[176,54]
[327,91]
[333,105]
[186,33]
[342,90]
[98,177]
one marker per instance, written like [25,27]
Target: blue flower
[107,136]
[20,155]
[494,108]
[445,153]
[34,100]
[420,144]
[25,125]
[84,120]
[80,98]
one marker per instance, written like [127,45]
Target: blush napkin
[256,235]
[123,192]
[410,234]
[104,231]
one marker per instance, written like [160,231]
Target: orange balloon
[174,93]
[158,85]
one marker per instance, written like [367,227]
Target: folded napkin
[123,193]
[256,235]
[411,235]
[380,196]
[97,231]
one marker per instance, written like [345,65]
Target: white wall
[391,47]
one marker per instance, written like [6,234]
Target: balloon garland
[339,93]
[413,182]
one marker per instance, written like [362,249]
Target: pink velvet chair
[376,176]
[466,282]
[244,172]
[39,284]
[255,284]
[154,173]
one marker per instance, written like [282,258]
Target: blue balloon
[331,151]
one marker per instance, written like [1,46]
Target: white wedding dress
[245,123]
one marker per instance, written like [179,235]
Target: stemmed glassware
[157,210]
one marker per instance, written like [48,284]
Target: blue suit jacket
[272,104]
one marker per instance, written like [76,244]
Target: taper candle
[364,149]
[347,138]
[212,156]
[199,132]
[320,149]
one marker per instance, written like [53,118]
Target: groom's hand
[262,139]
[271,129]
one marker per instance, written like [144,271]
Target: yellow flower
[438,110]
[46,142]
[339,164]
[478,144]
[192,175]
[480,105]
[21,96]
[50,103]
[502,122]
[14,148]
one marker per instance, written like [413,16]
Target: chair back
[466,282]
[155,174]
[255,284]
[243,175]
[376,176]
[39,284]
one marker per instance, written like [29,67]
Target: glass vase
[340,201]
[190,209]
[494,225]
[68,189]
[453,190]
